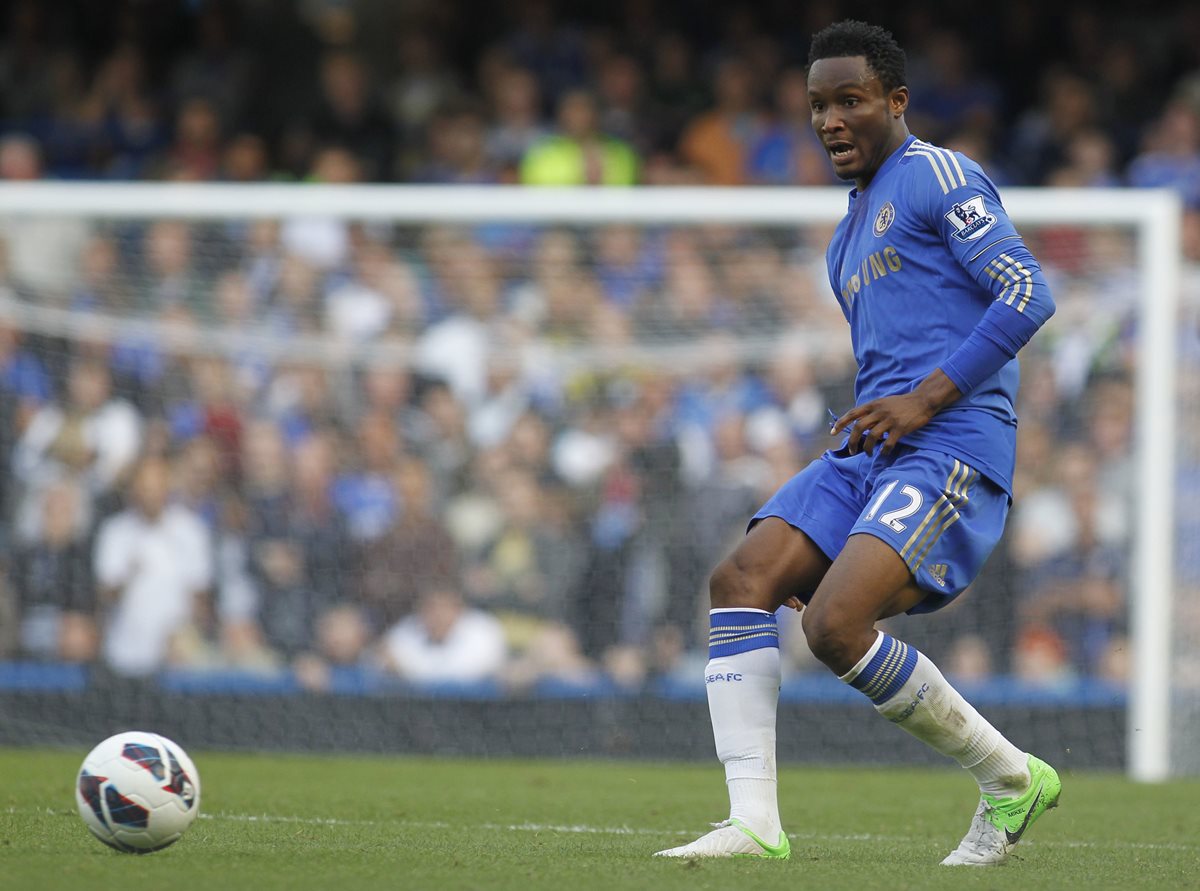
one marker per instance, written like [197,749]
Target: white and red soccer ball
[138,792]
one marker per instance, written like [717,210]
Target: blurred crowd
[537,91]
[478,501]
[473,497]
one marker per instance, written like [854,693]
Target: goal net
[421,469]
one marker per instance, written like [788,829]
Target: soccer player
[940,293]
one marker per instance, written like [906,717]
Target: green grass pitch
[298,823]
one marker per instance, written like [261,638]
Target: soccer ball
[137,792]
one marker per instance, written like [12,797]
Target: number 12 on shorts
[893,517]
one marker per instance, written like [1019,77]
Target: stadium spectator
[676,93]
[622,102]
[445,641]
[170,274]
[635,553]
[528,572]
[134,136]
[551,660]
[785,151]
[796,402]
[691,302]
[423,83]
[717,142]
[99,287]
[296,303]
[948,96]
[516,124]
[378,293]
[196,152]
[40,254]
[1073,588]
[1041,658]
[245,159]
[1090,161]
[725,388]
[118,126]
[93,437]
[364,492]
[298,550]
[23,379]
[239,632]
[236,309]
[388,388]
[579,154]
[1170,155]
[749,280]
[440,438]
[52,578]
[544,295]
[628,265]
[717,503]
[219,67]
[312,245]
[25,386]
[207,408]
[341,642]
[417,552]
[456,151]
[554,51]
[1066,107]
[350,116]
[153,566]
[456,348]
[200,468]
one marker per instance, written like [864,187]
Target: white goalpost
[1150,219]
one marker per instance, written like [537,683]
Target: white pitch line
[585,829]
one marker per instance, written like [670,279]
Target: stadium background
[340,527]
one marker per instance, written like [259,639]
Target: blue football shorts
[940,515]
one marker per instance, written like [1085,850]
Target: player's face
[857,121]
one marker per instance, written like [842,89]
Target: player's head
[857,93]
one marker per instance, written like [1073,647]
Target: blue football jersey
[922,255]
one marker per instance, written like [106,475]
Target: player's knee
[731,587]
[830,639]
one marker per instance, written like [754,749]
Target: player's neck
[899,137]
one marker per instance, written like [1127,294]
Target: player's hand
[883,422]
[794,603]
[891,418]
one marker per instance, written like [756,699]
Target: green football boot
[732,839]
[1001,822]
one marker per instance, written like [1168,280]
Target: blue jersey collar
[892,160]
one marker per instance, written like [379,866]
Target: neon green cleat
[1001,822]
[732,839]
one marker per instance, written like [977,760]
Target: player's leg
[881,572]
[869,581]
[773,562]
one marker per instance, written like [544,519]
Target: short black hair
[854,38]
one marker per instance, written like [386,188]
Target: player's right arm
[889,419]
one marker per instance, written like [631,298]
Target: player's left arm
[994,254]
[964,206]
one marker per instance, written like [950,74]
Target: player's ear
[898,101]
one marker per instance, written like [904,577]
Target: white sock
[743,694]
[908,690]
